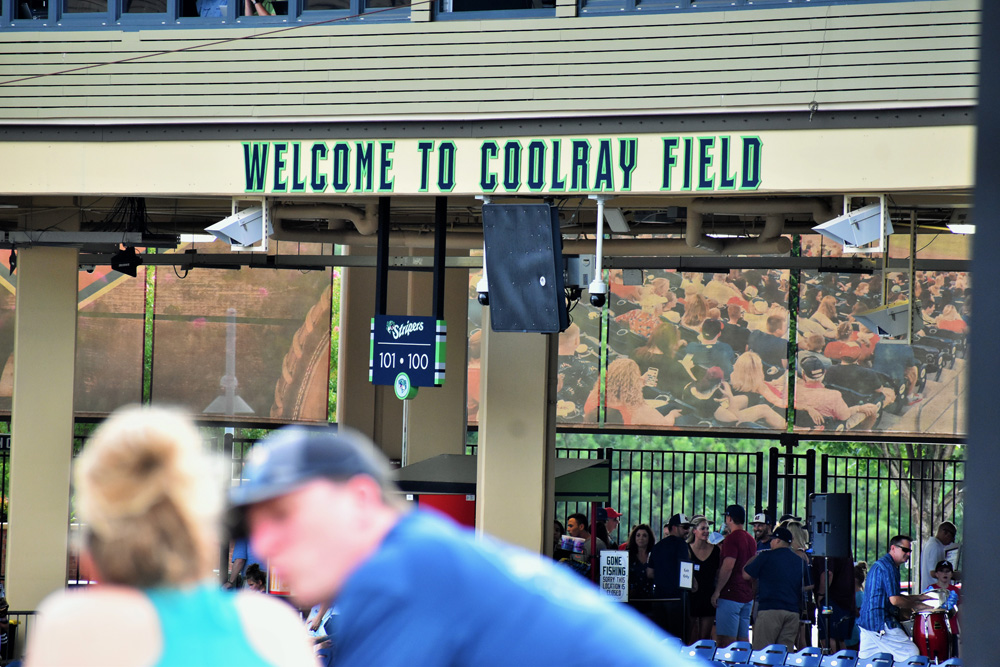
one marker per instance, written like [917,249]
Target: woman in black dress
[706,561]
[640,585]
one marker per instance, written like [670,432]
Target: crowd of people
[685,349]
[847,376]
[391,584]
[708,349]
[763,575]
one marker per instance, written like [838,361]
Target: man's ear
[365,489]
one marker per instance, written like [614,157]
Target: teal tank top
[201,626]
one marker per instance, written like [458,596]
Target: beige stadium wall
[854,55]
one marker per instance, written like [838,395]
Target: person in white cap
[412,588]
[762,530]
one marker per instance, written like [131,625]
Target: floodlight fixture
[858,228]
[890,320]
[126,261]
[961,222]
[958,228]
[247,229]
[616,221]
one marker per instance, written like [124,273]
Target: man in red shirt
[733,597]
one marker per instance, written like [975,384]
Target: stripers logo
[397,331]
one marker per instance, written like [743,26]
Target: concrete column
[436,421]
[517,428]
[42,438]
[374,411]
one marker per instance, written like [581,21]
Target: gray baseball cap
[295,455]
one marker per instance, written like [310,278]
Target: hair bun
[136,459]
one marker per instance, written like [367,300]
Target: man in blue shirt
[879,618]
[782,577]
[243,557]
[708,351]
[412,588]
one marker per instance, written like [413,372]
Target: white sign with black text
[687,575]
[614,574]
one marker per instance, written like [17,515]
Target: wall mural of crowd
[711,350]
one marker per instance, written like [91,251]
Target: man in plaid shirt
[879,618]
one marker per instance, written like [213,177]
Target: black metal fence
[649,487]
[895,496]
[16,639]
[891,495]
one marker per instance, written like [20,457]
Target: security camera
[484,292]
[598,293]
[89,268]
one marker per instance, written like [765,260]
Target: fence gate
[791,479]
[651,486]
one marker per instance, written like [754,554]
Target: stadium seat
[737,653]
[952,662]
[769,655]
[845,658]
[915,661]
[878,660]
[703,648]
[810,656]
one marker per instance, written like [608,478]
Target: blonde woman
[826,316]
[150,508]
[713,398]
[624,385]
[748,379]
[707,560]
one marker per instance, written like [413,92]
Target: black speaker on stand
[829,525]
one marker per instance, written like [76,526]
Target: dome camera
[598,293]
[483,287]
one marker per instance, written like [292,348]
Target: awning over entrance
[577,480]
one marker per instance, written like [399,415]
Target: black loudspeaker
[524,268]
[830,524]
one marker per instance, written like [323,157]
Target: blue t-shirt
[434,594]
[711,354]
[212,8]
[781,574]
[241,549]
